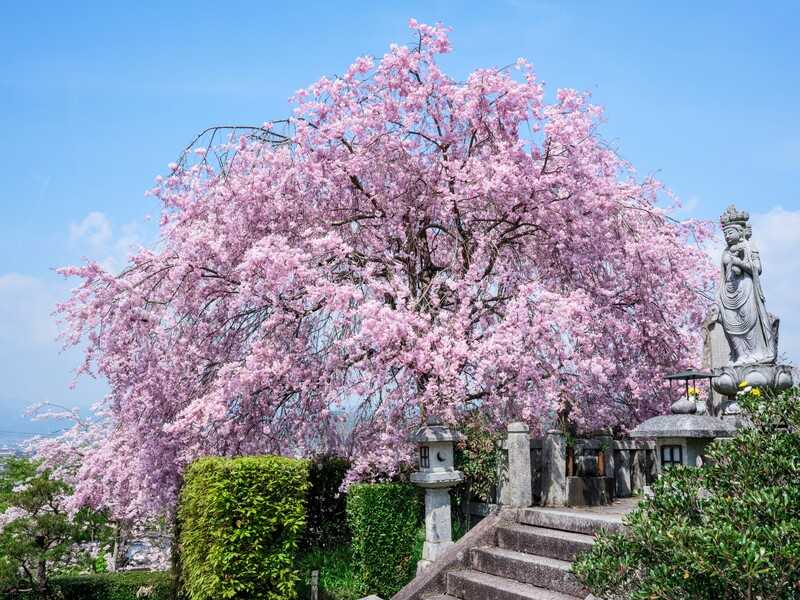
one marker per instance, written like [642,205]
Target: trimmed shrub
[240,523]
[383,519]
[326,506]
[730,529]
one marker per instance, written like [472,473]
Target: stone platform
[614,511]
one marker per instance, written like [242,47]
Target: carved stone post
[554,469]
[519,491]
[638,470]
[622,473]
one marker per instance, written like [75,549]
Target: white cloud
[95,236]
[94,229]
[26,304]
[777,235]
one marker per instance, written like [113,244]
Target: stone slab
[549,573]
[563,545]
[574,521]
[473,584]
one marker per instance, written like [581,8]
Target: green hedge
[133,585]
[326,517]
[383,519]
[240,521]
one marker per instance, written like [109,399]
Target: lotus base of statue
[730,380]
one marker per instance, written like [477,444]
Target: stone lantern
[681,437]
[437,475]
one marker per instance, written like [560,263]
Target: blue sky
[97,97]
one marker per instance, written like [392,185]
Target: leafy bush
[240,521]
[477,456]
[326,513]
[728,530]
[145,585]
[383,519]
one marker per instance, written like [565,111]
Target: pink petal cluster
[418,246]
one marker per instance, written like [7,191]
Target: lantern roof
[435,431]
[684,426]
[690,375]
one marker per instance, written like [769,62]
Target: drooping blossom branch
[414,245]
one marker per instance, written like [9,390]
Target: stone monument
[750,333]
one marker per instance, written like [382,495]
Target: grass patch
[337,577]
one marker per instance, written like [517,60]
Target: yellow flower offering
[743,384]
[756,392]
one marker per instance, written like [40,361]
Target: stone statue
[749,334]
[750,329]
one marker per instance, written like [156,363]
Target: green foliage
[40,535]
[384,519]
[478,456]
[240,522]
[326,514]
[727,531]
[337,575]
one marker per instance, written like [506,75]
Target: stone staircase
[530,558]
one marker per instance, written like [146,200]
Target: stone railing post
[638,468]
[622,473]
[554,469]
[519,491]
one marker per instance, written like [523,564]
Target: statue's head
[735,225]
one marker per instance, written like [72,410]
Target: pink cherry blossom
[416,245]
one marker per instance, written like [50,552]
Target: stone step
[584,522]
[438,597]
[473,585]
[552,543]
[542,571]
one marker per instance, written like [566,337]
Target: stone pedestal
[519,492]
[438,526]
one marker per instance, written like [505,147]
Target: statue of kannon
[751,331]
